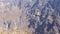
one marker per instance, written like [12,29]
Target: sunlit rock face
[29,16]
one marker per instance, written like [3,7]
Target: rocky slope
[30,16]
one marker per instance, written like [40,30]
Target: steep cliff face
[30,16]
